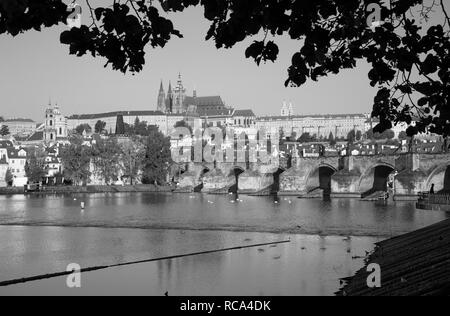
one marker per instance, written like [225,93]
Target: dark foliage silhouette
[409,59]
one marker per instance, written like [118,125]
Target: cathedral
[176,101]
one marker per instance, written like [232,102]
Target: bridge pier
[293,182]
[345,183]
[408,184]
[217,180]
[252,182]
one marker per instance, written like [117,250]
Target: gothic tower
[162,99]
[169,100]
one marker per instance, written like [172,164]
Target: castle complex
[176,105]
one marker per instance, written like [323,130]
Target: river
[42,235]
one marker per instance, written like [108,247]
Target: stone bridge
[350,176]
[224,177]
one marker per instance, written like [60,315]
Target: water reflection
[43,235]
[234,212]
[309,265]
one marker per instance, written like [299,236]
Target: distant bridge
[352,176]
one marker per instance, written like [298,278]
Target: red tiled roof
[19,120]
[37,136]
[114,114]
[5,144]
[14,153]
[246,113]
[204,101]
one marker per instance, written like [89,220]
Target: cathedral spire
[161,99]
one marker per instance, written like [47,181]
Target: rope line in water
[91,269]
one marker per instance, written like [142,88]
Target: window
[51,123]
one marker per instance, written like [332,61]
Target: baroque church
[176,101]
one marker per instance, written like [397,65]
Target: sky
[36,68]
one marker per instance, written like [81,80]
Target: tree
[157,158]
[1,119]
[409,58]
[105,157]
[80,129]
[100,127]
[332,140]
[387,134]
[9,178]
[4,130]
[120,126]
[351,136]
[293,136]
[359,135]
[76,160]
[35,165]
[403,136]
[282,136]
[184,124]
[133,154]
[140,128]
[307,138]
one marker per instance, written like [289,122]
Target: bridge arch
[440,177]
[376,178]
[320,178]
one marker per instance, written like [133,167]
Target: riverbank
[142,188]
[414,264]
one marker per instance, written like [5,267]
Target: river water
[42,235]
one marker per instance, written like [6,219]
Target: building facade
[164,122]
[20,127]
[322,126]
[12,158]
